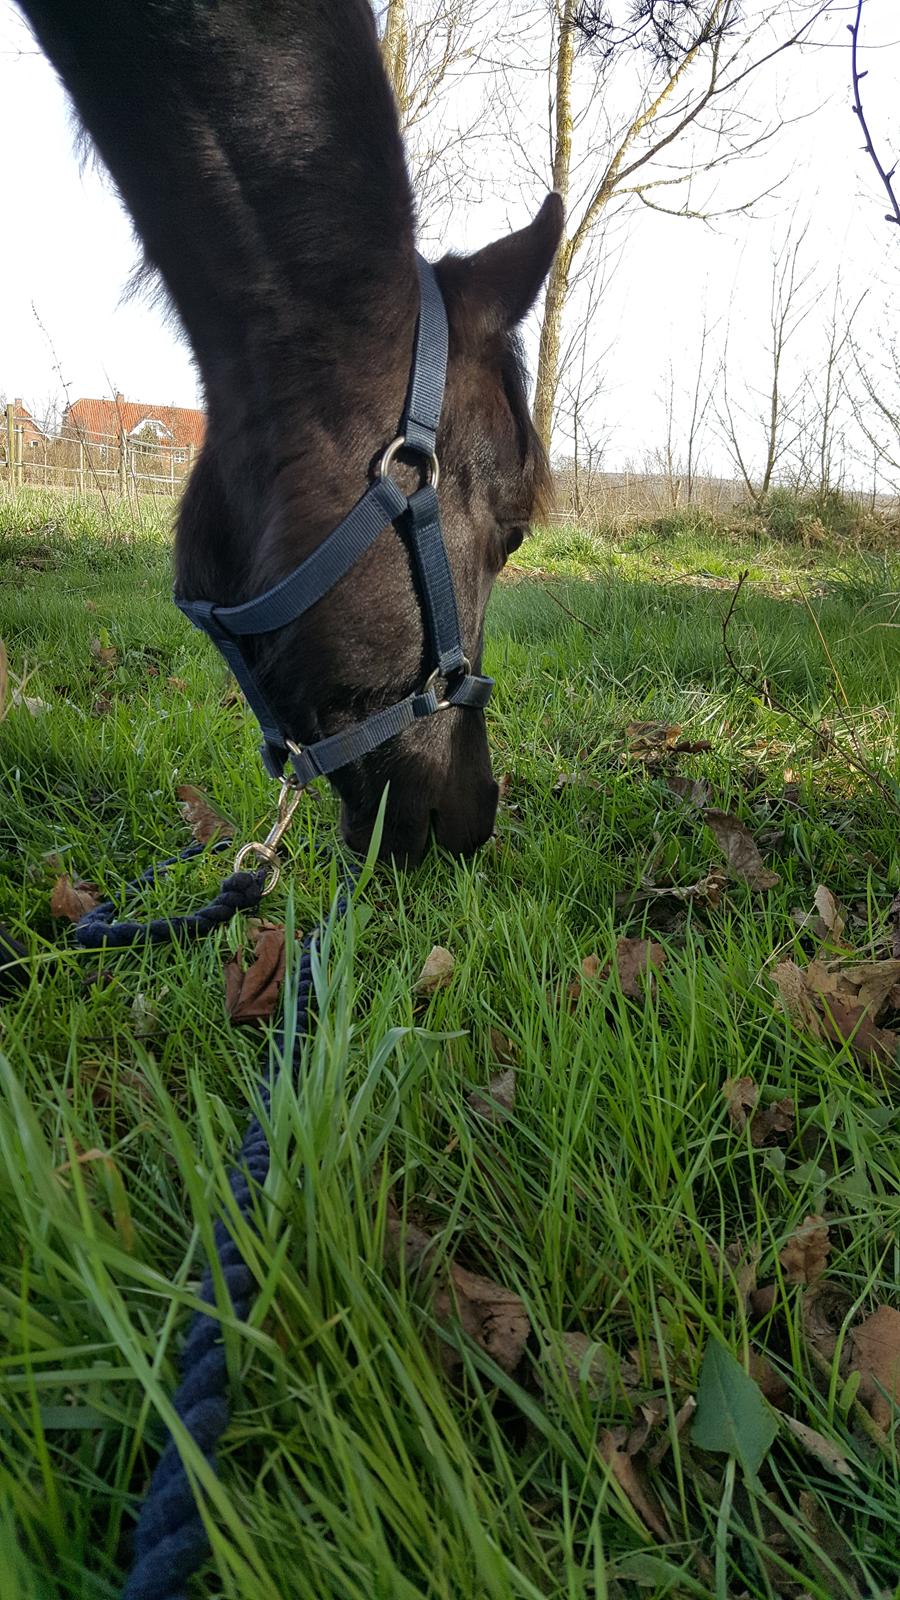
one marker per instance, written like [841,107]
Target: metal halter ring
[434,677]
[430,460]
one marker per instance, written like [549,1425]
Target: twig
[886,177]
[752,683]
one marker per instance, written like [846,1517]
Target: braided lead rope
[170,1540]
[240,891]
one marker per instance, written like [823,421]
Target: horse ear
[495,288]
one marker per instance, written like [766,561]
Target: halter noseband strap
[418,517]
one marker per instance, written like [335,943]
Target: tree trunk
[547,380]
[395,53]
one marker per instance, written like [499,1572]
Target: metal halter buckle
[266,850]
[429,458]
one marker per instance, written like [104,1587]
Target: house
[101,422]
[25,424]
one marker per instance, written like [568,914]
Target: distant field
[641,1200]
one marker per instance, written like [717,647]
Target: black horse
[258,151]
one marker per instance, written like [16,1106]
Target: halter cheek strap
[417,517]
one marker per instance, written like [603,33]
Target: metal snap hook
[266,850]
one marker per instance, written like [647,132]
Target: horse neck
[258,152]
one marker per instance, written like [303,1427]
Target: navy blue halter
[450,682]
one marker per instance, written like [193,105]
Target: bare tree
[766,425]
[876,410]
[687,64]
[430,49]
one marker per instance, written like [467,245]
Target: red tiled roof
[95,418]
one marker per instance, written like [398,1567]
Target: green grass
[354,1467]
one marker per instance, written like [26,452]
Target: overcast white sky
[68,247]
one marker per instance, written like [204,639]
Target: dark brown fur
[258,151]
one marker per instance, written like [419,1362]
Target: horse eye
[512,538]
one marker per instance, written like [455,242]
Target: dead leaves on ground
[636,961]
[252,993]
[204,821]
[875,1354]
[73,899]
[804,1258]
[740,850]
[766,1123]
[492,1316]
[436,972]
[842,1002]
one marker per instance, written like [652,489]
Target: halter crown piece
[417,517]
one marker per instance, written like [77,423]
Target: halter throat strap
[417,518]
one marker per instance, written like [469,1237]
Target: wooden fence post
[123,462]
[81,466]
[190,463]
[20,456]
[11,445]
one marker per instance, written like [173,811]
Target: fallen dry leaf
[874,1350]
[841,1002]
[106,654]
[791,984]
[831,920]
[493,1316]
[825,1309]
[851,1025]
[204,821]
[628,1475]
[805,1256]
[773,1386]
[739,849]
[637,962]
[436,971]
[831,1455]
[91,605]
[651,738]
[772,1122]
[502,1048]
[741,1095]
[682,1418]
[695,791]
[73,900]
[495,1103]
[767,1122]
[252,994]
[177,683]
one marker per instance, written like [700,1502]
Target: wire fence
[108,463]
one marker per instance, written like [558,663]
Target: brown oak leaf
[436,972]
[805,1256]
[495,1103]
[631,1480]
[73,900]
[875,1354]
[205,822]
[252,993]
[740,851]
[493,1316]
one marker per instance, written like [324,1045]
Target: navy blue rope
[170,1540]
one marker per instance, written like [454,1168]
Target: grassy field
[645,1219]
